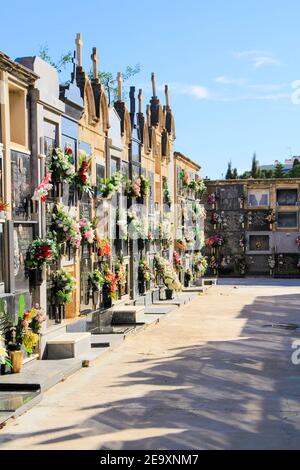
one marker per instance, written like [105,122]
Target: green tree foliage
[295,172]
[60,64]
[229,172]
[279,171]
[235,174]
[255,169]
[246,175]
[267,174]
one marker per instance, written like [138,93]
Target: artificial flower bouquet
[110,283]
[60,165]
[96,280]
[87,231]
[63,286]
[134,188]
[104,248]
[177,262]
[200,265]
[212,199]
[145,273]
[168,274]
[82,177]
[107,187]
[3,209]
[120,271]
[43,189]
[145,186]
[4,357]
[40,253]
[64,228]
[214,241]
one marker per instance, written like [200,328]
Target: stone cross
[95,60]
[153,84]
[140,97]
[79,45]
[167,96]
[120,84]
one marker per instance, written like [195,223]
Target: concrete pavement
[216,374]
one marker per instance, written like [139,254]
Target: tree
[255,170]
[279,171]
[246,175]
[229,171]
[235,174]
[61,63]
[295,172]
[267,174]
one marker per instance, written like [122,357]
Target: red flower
[85,164]
[69,151]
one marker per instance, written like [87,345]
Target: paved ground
[213,375]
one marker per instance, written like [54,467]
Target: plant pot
[186,282]
[169,294]
[142,287]
[16,358]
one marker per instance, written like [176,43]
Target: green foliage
[295,172]
[267,174]
[246,175]
[235,175]
[229,172]
[255,169]
[110,82]
[63,286]
[97,280]
[61,63]
[279,171]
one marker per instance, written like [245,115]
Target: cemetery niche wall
[257,225]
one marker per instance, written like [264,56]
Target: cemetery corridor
[215,374]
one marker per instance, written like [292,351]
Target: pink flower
[25,324]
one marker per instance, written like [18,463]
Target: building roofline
[245,181]
[17,69]
[186,159]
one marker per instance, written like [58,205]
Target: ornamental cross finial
[95,60]
[79,45]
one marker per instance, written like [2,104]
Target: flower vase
[36,277]
[169,294]
[95,298]
[107,300]
[142,287]
[16,358]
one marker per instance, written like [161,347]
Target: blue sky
[230,65]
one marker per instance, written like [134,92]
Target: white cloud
[224,80]
[196,91]
[258,58]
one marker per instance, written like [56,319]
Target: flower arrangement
[185,179]
[82,177]
[271,217]
[271,263]
[32,323]
[4,360]
[96,280]
[110,283]
[3,206]
[138,227]
[145,273]
[212,199]
[201,188]
[200,265]
[242,242]
[134,188]
[107,187]
[213,263]
[63,286]
[120,271]
[167,194]
[43,189]
[104,248]
[298,241]
[87,231]
[181,245]
[61,166]
[214,241]
[169,276]
[145,186]
[189,275]
[41,252]
[64,228]
[177,262]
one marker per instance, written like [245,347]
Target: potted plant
[109,287]
[96,281]
[40,253]
[63,286]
